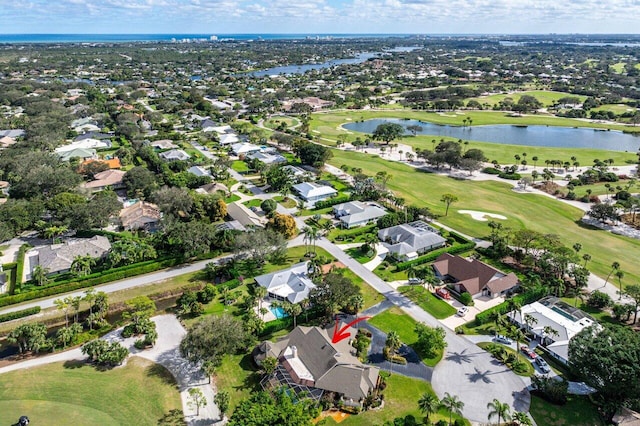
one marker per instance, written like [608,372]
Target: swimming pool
[278,312]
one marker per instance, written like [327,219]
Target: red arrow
[341,334]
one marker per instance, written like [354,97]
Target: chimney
[294,351]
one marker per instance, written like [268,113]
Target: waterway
[549,136]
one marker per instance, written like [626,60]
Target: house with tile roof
[108,178]
[409,240]
[58,258]
[473,276]
[311,364]
[140,215]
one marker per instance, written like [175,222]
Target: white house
[290,284]
[244,148]
[85,144]
[357,213]
[199,171]
[312,192]
[409,240]
[554,323]
[174,155]
[267,158]
[228,139]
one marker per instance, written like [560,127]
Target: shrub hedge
[522,298]
[431,256]
[331,202]
[20,264]
[19,314]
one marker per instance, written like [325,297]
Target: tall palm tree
[452,404]
[614,267]
[82,265]
[260,293]
[620,276]
[428,404]
[64,305]
[295,310]
[499,409]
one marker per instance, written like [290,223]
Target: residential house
[81,153]
[312,192]
[163,144]
[357,213]
[295,171]
[232,225]
[228,139]
[140,215]
[212,188]
[244,148]
[626,417]
[316,104]
[107,178]
[78,122]
[4,187]
[473,276]
[174,155]
[85,144]
[93,135]
[12,133]
[87,127]
[6,142]
[266,157]
[241,213]
[112,163]
[310,363]
[554,323]
[58,258]
[199,171]
[409,240]
[291,284]
[208,125]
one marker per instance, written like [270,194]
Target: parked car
[503,339]
[414,280]
[462,311]
[542,365]
[528,352]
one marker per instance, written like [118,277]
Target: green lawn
[400,399]
[240,166]
[287,203]
[328,126]
[139,393]
[237,375]
[403,324]
[253,203]
[427,301]
[578,411]
[276,120]
[546,97]
[536,212]
[361,256]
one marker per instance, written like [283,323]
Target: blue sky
[319,16]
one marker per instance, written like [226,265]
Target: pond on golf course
[549,136]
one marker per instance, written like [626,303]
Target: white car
[462,311]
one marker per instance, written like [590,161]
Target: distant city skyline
[318,16]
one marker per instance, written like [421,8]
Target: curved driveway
[466,370]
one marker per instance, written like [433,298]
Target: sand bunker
[481,215]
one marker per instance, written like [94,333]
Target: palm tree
[260,293]
[428,404]
[75,303]
[64,305]
[620,276]
[39,275]
[452,404]
[521,418]
[448,199]
[586,257]
[614,267]
[82,265]
[393,341]
[499,409]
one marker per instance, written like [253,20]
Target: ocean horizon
[128,38]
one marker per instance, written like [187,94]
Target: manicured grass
[370,295]
[396,320]
[253,203]
[400,399]
[361,256]
[353,235]
[615,108]
[139,393]
[240,166]
[239,376]
[546,97]
[287,203]
[578,411]
[275,121]
[428,301]
[232,199]
[531,211]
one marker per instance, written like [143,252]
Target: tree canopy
[213,337]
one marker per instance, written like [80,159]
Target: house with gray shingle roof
[310,364]
[174,155]
[409,240]
[57,258]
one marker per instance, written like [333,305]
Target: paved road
[466,370]
[137,281]
[165,352]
